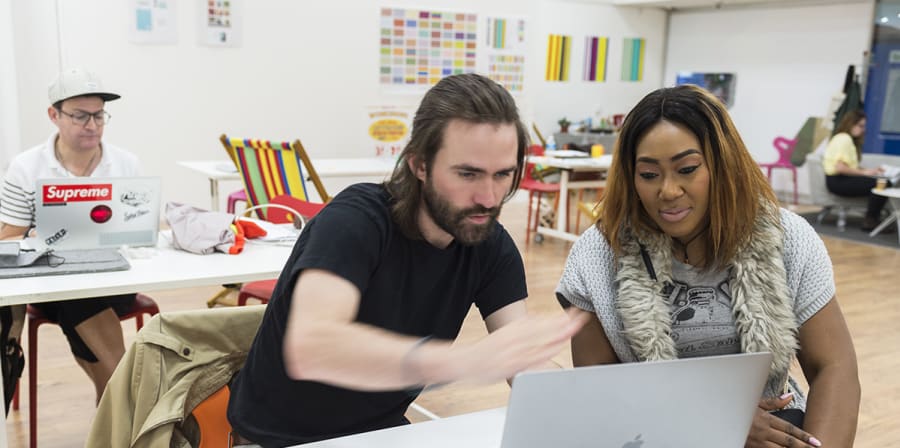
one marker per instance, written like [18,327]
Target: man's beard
[454,221]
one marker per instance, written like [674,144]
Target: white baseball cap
[74,82]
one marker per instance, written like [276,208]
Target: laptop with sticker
[92,213]
[693,402]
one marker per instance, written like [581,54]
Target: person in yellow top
[843,175]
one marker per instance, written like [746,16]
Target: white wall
[789,61]
[9,115]
[577,99]
[297,74]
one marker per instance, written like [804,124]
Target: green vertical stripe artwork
[633,59]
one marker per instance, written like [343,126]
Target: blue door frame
[878,97]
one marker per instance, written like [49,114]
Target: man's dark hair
[468,97]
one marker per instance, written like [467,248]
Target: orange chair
[262,290]
[785,147]
[143,304]
[212,420]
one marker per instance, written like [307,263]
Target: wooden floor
[867,289]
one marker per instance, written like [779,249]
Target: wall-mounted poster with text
[388,129]
[220,23]
[152,22]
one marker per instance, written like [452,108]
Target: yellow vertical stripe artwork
[602,45]
[559,49]
[643,46]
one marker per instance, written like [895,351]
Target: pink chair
[234,197]
[785,147]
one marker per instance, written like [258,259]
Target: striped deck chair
[271,169]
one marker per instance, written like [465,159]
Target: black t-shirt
[407,286]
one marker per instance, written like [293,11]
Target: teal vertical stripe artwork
[633,59]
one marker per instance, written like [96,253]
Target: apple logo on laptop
[636,443]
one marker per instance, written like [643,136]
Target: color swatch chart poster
[504,43]
[419,47]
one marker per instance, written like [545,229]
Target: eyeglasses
[82,118]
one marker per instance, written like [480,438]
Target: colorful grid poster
[508,70]
[559,48]
[595,54]
[633,59]
[419,47]
[504,43]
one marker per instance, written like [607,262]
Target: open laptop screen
[694,402]
[91,213]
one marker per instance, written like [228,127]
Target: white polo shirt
[18,193]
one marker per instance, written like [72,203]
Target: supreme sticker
[58,194]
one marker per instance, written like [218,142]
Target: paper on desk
[275,232]
[566,153]
[892,173]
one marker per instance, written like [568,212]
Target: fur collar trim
[762,305]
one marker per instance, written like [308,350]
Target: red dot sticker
[101,214]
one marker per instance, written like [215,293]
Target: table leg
[214,194]
[895,216]
[562,211]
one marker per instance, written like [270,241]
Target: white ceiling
[695,4]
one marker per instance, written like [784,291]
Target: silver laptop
[694,402]
[92,212]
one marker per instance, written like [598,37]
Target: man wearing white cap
[77,100]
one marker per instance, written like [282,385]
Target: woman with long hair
[692,256]
[843,175]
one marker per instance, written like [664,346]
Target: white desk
[893,195]
[567,166]
[166,269]
[476,430]
[220,170]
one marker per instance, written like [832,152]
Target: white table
[224,170]
[166,268]
[476,430]
[893,195]
[567,166]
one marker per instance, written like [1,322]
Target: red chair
[785,147]
[143,304]
[536,190]
[262,290]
